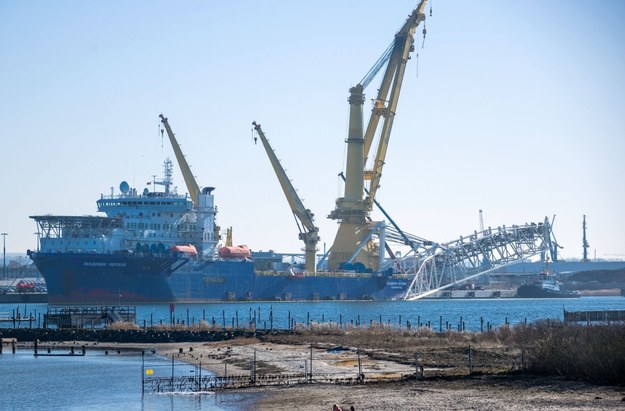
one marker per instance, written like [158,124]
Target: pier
[92,317]
[603,316]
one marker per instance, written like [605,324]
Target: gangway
[444,265]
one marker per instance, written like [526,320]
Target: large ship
[155,246]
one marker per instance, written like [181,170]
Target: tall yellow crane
[353,242]
[308,232]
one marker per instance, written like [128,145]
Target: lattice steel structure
[443,265]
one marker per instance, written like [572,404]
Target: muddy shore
[435,390]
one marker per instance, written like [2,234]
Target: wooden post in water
[172,372]
[142,373]
[470,361]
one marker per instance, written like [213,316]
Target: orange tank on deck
[189,249]
[239,251]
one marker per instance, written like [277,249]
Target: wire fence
[358,369]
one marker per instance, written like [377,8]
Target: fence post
[418,367]
[360,374]
[254,369]
[311,364]
[470,361]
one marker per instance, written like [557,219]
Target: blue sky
[515,107]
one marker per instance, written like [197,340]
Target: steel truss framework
[443,265]
[50,226]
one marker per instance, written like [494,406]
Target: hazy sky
[513,107]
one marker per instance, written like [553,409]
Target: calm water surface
[97,382]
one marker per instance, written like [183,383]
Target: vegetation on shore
[579,352]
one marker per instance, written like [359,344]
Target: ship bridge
[440,266]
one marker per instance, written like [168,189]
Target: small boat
[547,286]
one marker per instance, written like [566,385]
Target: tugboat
[547,286]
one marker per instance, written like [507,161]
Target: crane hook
[424,32]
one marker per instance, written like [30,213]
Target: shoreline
[509,391]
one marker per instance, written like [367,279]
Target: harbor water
[109,382]
[474,313]
[98,382]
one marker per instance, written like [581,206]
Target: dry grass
[588,353]
[123,325]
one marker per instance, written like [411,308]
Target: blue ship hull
[237,280]
[116,278]
[84,278]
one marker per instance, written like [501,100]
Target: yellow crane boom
[304,218]
[391,82]
[189,179]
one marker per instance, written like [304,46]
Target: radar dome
[124,187]
[146,191]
